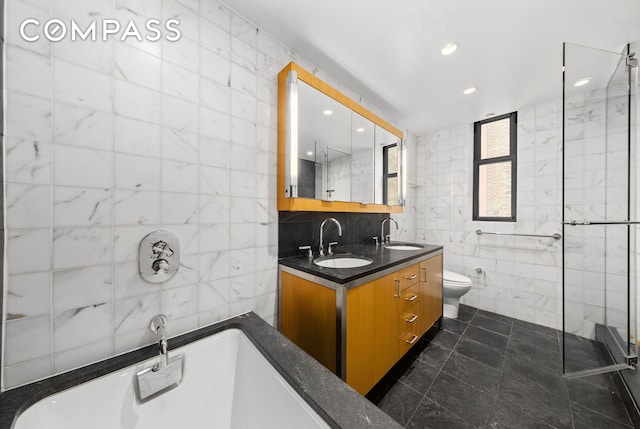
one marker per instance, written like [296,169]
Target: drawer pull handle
[412,340]
[412,319]
[411,277]
[412,298]
[397,294]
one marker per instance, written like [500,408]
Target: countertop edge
[332,398]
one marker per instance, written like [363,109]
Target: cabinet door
[430,292]
[308,318]
[372,332]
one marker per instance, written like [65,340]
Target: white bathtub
[227,383]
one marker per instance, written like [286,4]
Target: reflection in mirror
[387,167]
[331,148]
[363,181]
[324,146]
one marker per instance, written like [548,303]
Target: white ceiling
[389,51]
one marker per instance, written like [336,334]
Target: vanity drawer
[408,276]
[406,341]
[409,297]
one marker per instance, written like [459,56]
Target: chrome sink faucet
[334,220]
[386,238]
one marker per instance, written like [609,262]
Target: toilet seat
[455,279]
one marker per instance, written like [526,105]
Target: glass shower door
[599,215]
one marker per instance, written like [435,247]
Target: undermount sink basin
[402,247]
[342,262]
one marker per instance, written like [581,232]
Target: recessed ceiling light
[309,153]
[360,130]
[469,90]
[582,82]
[490,115]
[328,112]
[449,48]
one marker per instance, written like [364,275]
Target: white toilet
[454,285]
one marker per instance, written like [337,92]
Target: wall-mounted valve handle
[160,266]
[161,250]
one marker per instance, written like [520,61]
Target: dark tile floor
[485,370]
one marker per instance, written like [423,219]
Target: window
[390,174]
[494,168]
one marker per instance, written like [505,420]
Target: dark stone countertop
[382,257]
[337,403]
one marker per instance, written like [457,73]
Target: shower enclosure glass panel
[599,328]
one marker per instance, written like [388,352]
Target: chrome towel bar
[613,222]
[555,236]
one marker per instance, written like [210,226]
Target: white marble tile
[132,10]
[179,114]
[83,355]
[189,19]
[187,273]
[81,287]
[243,158]
[137,137]
[267,44]
[243,80]
[243,209]
[214,39]
[243,184]
[82,87]
[128,283]
[126,241]
[216,13]
[27,161]
[137,102]
[179,302]
[79,247]
[74,206]
[214,124]
[180,208]
[32,242]
[132,314]
[180,177]
[243,54]
[267,281]
[137,172]
[27,206]
[27,71]
[214,152]
[70,327]
[215,237]
[180,145]
[28,295]
[26,372]
[242,236]
[213,294]
[137,208]
[82,167]
[79,126]
[26,339]
[215,95]
[180,82]
[29,117]
[214,266]
[19,11]
[138,67]
[95,55]
[243,106]
[185,53]
[242,261]
[214,209]
[214,181]
[242,287]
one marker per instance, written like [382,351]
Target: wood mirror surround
[309,204]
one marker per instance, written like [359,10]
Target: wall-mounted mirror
[332,152]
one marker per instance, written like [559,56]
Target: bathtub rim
[335,402]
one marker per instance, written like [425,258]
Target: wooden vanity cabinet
[360,335]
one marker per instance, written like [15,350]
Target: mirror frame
[309,204]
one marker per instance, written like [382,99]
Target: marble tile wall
[108,141]
[520,277]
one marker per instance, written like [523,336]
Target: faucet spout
[386,238]
[334,220]
[158,325]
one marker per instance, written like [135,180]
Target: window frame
[512,157]
[385,172]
